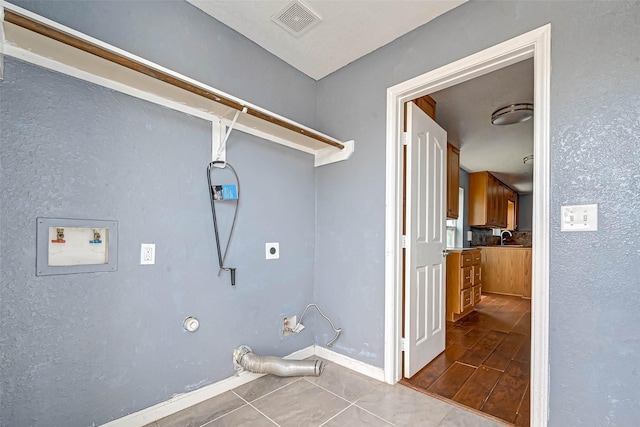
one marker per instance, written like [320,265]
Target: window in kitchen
[455,226]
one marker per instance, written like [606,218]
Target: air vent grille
[297,18]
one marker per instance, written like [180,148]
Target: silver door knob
[445,253]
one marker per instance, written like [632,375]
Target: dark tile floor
[486,363]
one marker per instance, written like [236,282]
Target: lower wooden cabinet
[477,293]
[466,300]
[507,270]
[464,283]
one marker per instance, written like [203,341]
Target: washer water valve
[191,324]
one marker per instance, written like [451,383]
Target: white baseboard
[302,354]
[183,401]
[350,363]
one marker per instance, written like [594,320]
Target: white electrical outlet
[579,218]
[147,253]
[288,324]
[272,250]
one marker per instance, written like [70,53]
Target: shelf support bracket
[331,155]
[218,151]
[220,135]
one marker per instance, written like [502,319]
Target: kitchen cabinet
[426,104]
[464,282]
[507,270]
[453,181]
[501,215]
[488,201]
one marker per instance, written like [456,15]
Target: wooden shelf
[40,41]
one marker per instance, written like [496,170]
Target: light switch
[579,218]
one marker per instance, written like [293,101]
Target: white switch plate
[272,250]
[579,218]
[147,253]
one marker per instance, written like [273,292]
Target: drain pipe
[245,360]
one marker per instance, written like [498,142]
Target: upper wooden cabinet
[453,181]
[427,104]
[489,201]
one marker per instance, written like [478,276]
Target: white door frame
[535,44]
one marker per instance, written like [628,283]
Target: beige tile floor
[339,397]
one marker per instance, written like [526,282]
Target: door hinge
[403,344]
[405,138]
[404,241]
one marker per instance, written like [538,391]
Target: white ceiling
[464,111]
[351,29]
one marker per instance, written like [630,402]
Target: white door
[424,321]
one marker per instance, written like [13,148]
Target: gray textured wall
[594,277]
[87,348]
[130,352]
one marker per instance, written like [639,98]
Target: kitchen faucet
[502,236]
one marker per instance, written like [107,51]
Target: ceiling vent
[297,18]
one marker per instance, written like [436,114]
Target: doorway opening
[536,45]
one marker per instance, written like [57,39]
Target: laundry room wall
[84,349]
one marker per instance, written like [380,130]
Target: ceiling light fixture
[511,114]
[528,159]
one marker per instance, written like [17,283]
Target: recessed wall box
[67,246]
